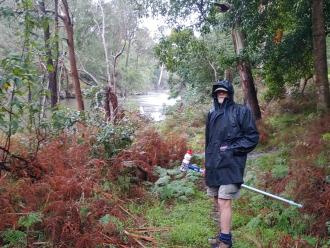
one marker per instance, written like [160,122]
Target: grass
[189,223]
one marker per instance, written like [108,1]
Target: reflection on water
[151,104]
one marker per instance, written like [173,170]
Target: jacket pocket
[226,159]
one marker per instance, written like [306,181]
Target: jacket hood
[228,101]
[223,84]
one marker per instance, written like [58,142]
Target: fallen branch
[13,155]
[150,229]
[40,243]
[126,211]
[139,242]
[133,235]
[106,236]
[17,213]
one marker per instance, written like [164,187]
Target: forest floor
[71,196]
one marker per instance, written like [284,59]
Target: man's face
[221,95]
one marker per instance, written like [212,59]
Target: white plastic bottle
[186,161]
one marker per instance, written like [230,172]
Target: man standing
[230,134]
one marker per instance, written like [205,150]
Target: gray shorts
[229,191]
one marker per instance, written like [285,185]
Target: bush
[172,184]
[114,138]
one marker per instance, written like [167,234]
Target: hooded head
[224,85]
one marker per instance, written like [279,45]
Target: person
[230,134]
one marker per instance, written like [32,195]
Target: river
[151,104]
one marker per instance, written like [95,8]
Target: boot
[223,245]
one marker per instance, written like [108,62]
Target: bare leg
[225,209]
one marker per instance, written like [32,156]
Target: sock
[226,238]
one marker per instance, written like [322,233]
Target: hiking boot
[223,245]
[216,243]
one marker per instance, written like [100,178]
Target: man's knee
[224,203]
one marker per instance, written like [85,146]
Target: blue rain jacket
[232,125]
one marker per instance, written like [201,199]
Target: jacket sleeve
[249,135]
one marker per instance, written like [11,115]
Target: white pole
[272,196]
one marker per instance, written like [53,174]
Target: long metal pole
[272,196]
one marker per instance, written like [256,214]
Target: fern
[30,219]
[14,238]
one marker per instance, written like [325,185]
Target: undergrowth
[86,186]
[185,223]
[74,191]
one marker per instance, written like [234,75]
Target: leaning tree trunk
[112,93]
[51,67]
[320,55]
[247,82]
[72,58]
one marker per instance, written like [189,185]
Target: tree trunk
[214,71]
[162,67]
[228,75]
[107,107]
[114,67]
[128,51]
[246,78]
[51,68]
[105,47]
[72,58]
[57,49]
[320,55]
[110,104]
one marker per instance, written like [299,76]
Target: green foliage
[264,220]
[191,119]
[83,212]
[280,171]
[284,62]
[29,220]
[18,79]
[14,238]
[95,95]
[171,184]
[326,137]
[136,66]
[114,138]
[106,219]
[270,161]
[65,119]
[283,121]
[280,166]
[194,60]
[323,159]
[124,183]
[189,222]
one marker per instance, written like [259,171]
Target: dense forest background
[102,174]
